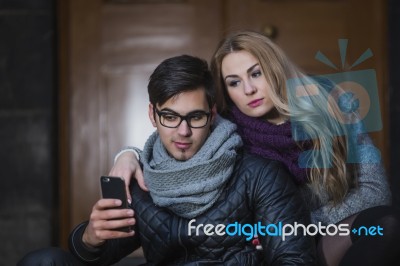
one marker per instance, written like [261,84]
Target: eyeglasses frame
[182,117]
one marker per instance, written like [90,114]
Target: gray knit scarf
[189,188]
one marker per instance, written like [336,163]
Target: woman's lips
[255,103]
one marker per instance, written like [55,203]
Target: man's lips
[255,103]
[182,145]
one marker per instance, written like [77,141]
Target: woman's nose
[249,88]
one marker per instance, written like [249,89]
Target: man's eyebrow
[168,110]
[248,71]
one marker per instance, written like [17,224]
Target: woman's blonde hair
[318,114]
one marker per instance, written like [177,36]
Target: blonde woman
[300,126]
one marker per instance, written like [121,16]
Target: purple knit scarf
[270,141]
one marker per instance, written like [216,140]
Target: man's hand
[102,224]
[127,166]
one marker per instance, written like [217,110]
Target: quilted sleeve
[279,206]
[111,252]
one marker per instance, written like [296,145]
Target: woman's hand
[127,166]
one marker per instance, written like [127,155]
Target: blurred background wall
[53,146]
[28,127]
[394,103]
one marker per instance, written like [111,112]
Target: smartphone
[114,188]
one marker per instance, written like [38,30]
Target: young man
[207,198]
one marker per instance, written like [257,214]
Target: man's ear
[151,115]
[213,114]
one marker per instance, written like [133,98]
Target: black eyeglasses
[195,119]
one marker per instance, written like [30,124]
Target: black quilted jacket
[259,191]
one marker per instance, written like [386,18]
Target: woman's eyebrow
[252,67]
[248,71]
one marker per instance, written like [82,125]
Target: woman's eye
[233,83]
[256,74]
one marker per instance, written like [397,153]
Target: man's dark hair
[180,74]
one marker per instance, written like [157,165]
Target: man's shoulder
[251,160]
[264,175]
[255,167]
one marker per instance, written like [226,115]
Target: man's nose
[184,129]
